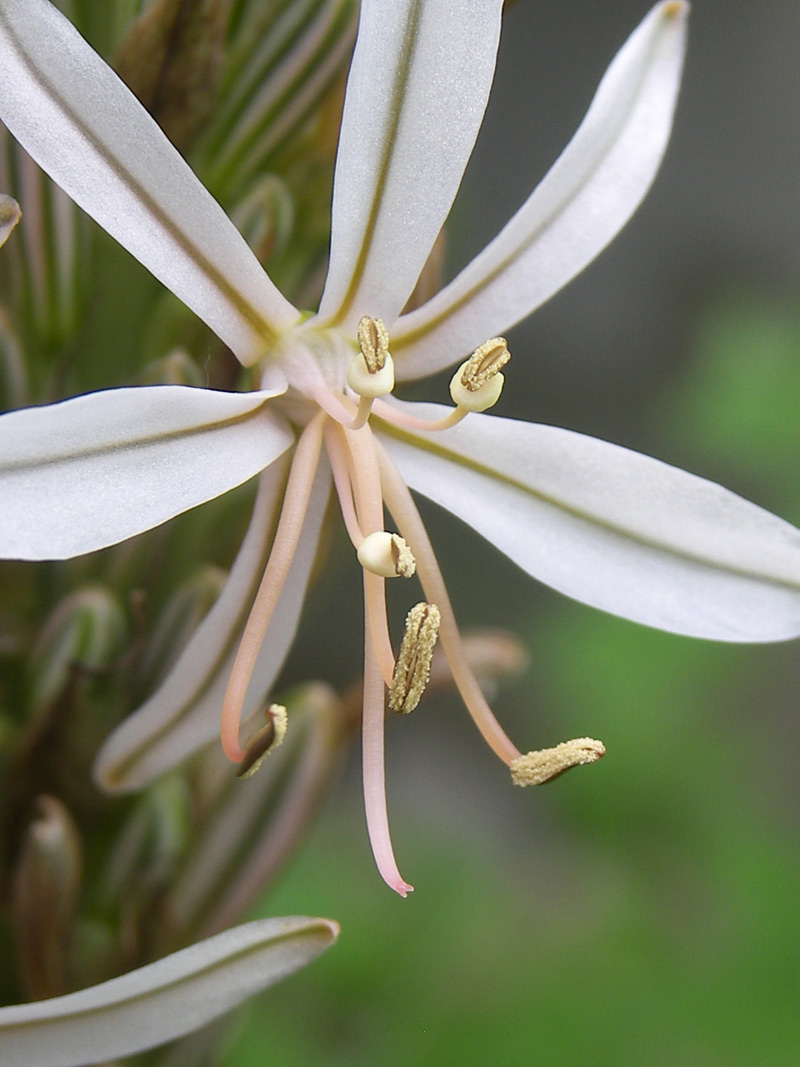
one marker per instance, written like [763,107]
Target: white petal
[163,1000]
[9,216]
[576,210]
[183,714]
[613,528]
[416,94]
[82,125]
[89,472]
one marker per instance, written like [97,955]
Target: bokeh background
[644,910]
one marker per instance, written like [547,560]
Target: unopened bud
[10,215]
[536,768]
[175,368]
[478,383]
[413,665]
[370,372]
[264,741]
[46,887]
[386,554]
[85,632]
[171,57]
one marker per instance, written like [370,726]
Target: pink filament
[287,534]
[406,421]
[404,510]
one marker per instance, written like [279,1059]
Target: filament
[401,504]
[287,534]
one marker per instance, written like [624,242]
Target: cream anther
[413,666]
[536,768]
[370,372]
[263,741]
[387,555]
[478,383]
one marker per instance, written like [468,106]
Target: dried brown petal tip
[263,741]
[413,665]
[536,768]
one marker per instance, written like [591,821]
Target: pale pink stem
[362,414]
[374,775]
[287,534]
[369,505]
[411,527]
[406,421]
[339,408]
[339,460]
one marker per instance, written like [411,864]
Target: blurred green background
[643,910]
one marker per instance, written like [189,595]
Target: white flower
[602,524]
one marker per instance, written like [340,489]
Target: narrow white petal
[416,94]
[9,216]
[183,714]
[611,527]
[163,1000]
[576,210]
[82,125]
[92,471]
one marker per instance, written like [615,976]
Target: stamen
[478,383]
[413,667]
[370,372]
[536,768]
[386,554]
[287,534]
[264,740]
[404,511]
[338,457]
[476,386]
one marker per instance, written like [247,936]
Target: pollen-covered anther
[413,666]
[386,554]
[264,740]
[478,383]
[536,768]
[370,372]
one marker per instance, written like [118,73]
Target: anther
[370,372]
[478,383]
[413,666]
[263,741]
[386,554]
[536,768]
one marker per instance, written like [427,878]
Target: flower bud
[10,215]
[171,57]
[45,892]
[86,631]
